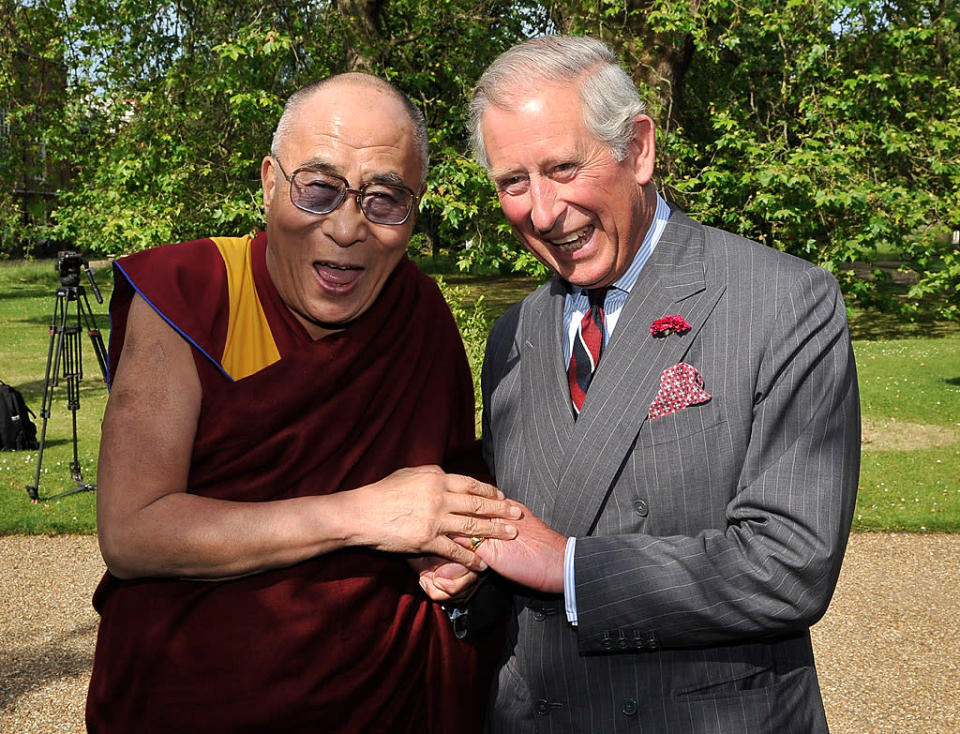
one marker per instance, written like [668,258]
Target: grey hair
[608,96]
[296,101]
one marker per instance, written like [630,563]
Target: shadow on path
[28,669]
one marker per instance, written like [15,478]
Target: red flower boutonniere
[674,324]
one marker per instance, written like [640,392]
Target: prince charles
[678,411]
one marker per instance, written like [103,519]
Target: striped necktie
[586,349]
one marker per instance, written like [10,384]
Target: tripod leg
[93,332]
[73,372]
[65,349]
[57,325]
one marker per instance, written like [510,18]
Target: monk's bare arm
[150,526]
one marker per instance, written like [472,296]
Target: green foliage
[31,72]
[171,106]
[474,324]
[830,131]
[827,129]
[180,140]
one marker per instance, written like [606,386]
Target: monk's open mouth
[337,276]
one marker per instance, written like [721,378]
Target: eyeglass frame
[357,194]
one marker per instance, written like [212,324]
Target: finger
[452,572]
[490,552]
[434,593]
[448,549]
[469,485]
[470,527]
[453,586]
[524,510]
[420,564]
[472,504]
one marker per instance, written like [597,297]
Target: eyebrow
[577,156]
[324,166]
[497,176]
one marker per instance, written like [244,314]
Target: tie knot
[596,296]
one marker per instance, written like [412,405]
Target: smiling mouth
[573,242]
[337,276]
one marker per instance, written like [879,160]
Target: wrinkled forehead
[536,97]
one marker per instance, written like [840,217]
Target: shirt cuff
[569,587]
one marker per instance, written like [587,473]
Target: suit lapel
[628,378]
[545,397]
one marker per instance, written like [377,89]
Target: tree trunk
[657,62]
[363,32]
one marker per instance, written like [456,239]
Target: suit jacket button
[629,707]
[641,508]
[542,707]
[539,616]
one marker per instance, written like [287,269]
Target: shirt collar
[650,239]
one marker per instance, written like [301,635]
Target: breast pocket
[691,421]
[686,461]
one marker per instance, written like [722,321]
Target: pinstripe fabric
[708,540]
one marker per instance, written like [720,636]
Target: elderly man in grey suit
[678,410]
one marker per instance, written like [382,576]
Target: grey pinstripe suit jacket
[709,540]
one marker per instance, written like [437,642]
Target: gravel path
[888,650]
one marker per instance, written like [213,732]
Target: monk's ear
[642,149]
[268,181]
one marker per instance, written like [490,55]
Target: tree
[32,85]
[172,105]
[820,127]
[826,128]
[178,115]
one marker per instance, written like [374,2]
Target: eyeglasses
[319,192]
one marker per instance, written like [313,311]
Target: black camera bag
[17,429]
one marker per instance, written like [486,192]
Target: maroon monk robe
[346,642]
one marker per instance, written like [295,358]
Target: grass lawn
[909,385]
[27,300]
[910,396]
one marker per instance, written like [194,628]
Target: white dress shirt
[575,306]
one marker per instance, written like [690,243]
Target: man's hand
[415,510]
[534,558]
[443,580]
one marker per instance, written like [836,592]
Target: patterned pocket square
[680,387]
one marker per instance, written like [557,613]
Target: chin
[583,277]
[333,321]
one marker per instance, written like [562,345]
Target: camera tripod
[64,350]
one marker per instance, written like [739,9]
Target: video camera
[69,264]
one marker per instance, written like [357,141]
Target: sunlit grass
[910,397]
[27,299]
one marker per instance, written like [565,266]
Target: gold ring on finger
[475,541]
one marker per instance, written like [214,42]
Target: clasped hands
[432,516]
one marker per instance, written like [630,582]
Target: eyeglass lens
[321,193]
